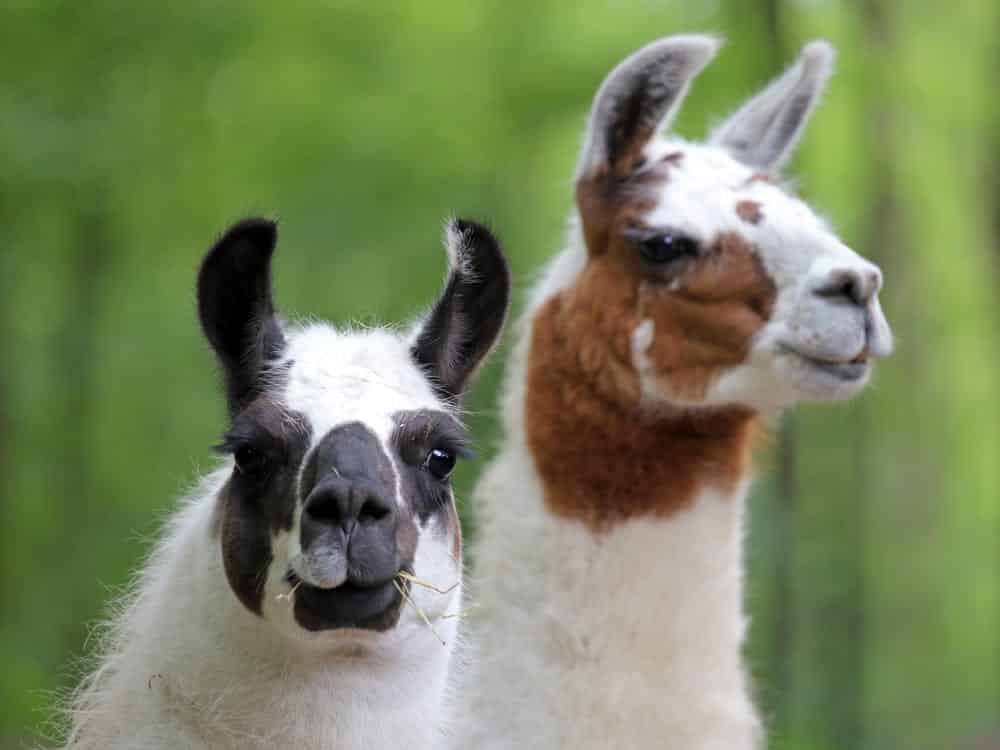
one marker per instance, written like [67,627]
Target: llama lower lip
[842,370]
[347,606]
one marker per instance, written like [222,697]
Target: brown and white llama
[696,298]
[275,611]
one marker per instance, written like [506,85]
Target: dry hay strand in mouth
[421,582]
[288,596]
[418,610]
[461,613]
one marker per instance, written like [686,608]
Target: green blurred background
[130,134]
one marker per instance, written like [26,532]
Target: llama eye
[249,460]
[440,463]
[663,248]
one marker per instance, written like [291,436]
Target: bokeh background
[130,134]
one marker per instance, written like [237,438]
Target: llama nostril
[340,502]
[323,509]
[854,286]
[371,511]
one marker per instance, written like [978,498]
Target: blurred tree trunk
[76,362]
[880,238]
[993,164]
[6,357]
[783,520]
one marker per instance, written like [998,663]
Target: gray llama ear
[764,132]
[638,99]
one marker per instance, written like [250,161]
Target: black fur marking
[417,433]
[236,309]
[253,507]
[466,321]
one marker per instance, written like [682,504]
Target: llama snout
[346,573]
[348,533]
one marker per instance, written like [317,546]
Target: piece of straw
[427,622]
[420,582]
[287,597]
[461,612]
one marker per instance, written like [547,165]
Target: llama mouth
[845,370]
[350,605]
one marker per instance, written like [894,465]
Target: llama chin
[305,594]
[697,297]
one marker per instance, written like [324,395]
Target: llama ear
[765,130]
[465,323]
[638,99]
[235,307]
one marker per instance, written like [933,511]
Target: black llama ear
[465,323]
[638,99]
[763,132]
[235,306]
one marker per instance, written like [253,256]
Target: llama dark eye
[250,461]
[440,463]
[663,248]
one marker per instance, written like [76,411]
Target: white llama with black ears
[695,298]
[305,596]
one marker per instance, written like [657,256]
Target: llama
[696,299]
[305,595]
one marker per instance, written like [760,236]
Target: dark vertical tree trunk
[782,631]
[993,164]
[880,238]
[76,362]
[6,358]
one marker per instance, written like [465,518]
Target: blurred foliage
[131,134]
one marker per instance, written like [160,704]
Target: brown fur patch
[750,212]
[705,325]
[600,456]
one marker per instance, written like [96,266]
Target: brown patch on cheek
[750,212]
[706,325]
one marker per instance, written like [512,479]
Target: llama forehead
[707,193]
[339,377]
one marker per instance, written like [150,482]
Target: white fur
[187,666]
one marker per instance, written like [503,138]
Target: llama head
[342,442]
[705,280]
